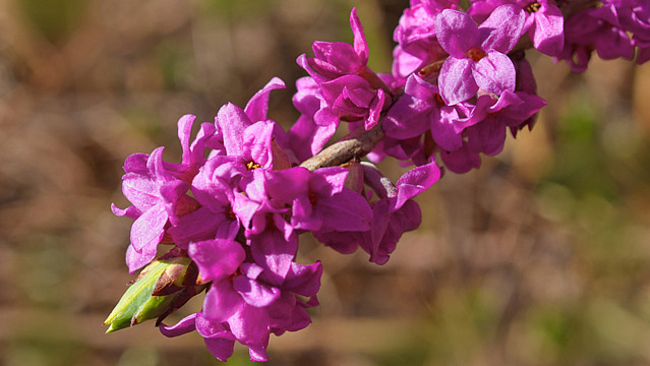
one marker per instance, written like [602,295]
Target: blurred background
[541,257]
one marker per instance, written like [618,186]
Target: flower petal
[138,259]
[548,31]
[221,302]
[250,326]
[217,259]
[360,44]
[285,185]
[495,73]
[414,182]
[273,253]
[254,293]
[345,211]
[257,143]
[184,134]
[220,348]
[303,279]
[456,81]
[258,106]
[148,229]
[502,29]
[233,121]
[374,112]
[183,326]
[457,32]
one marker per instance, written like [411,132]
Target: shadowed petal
[254,293]
[285,185]
[222,301]
[548,32]
[345,211]
[250,326]
[274,254]
[304,279]
[220,348]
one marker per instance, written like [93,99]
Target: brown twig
[355,145]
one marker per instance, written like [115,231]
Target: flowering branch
[234,216]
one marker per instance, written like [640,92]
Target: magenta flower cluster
[616,29]
[237,204]
[239,200]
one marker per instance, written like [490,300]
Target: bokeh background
[541,257]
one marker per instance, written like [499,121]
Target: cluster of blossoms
[616,29]
[237,212]
[245,189]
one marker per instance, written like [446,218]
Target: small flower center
[533,7]
[230,213]
[475,54]
[439,100]
[270,222]
[252,165]
[313,199]
[232,276]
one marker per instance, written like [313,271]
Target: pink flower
[544,21]
[477,54]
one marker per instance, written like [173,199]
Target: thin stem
[356,145]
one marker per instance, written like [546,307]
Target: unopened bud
[163,286]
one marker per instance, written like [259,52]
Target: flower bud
[163,286]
